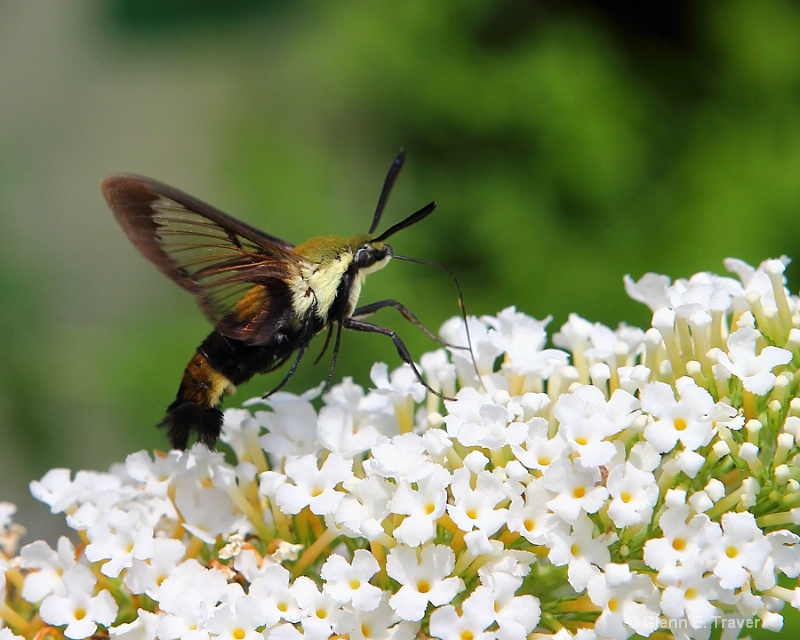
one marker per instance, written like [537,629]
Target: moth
[266,298]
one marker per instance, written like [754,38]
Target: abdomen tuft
[185,417]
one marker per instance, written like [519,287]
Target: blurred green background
[566,142]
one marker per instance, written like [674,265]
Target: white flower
[651,289]
[379,624]
[633,495]
[339,433]
[154,473]
[539,451]
[440,373]
[757,280]
[398,386]
[575,334]
[472,622]
[424,577]
[239,618]
[587,419]
[475,421]
[291,426]
[691,596]
[143,627]
[189,597]
[582,550]
[422,506]
[318,610]
[349,582]
[119,538]
[681,538]
[595,342]
[523,339]
[145,575]
[784,554]
[312,486]
[50,568]
[80,609]
[646,482]
[577,489]
[403,458]
[753,369]
[484,350]
[61,493]
[531,517]
[743,550]
[475,500]
[686,420]
[240,431]
[207,511]
[272,589]
[516,616]
[365,505]
[629,602]
[703,294]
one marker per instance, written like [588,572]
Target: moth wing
[239,275]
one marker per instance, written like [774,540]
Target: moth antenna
[407,222]
[461,306]
[388,183]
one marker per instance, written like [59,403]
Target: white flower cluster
[626,482]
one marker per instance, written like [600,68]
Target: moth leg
[335,353]
[369,309]
[325,346]
[291,371]
[402,350]
[335,356]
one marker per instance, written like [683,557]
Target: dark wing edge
[214,256]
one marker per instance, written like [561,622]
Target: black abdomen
[217,367]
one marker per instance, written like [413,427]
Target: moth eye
[364,257]
[368,255]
